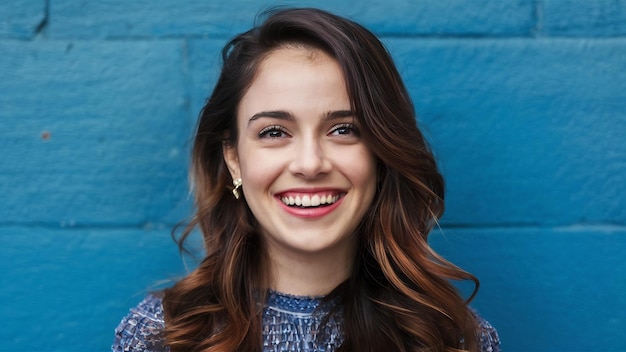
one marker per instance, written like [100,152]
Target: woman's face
[307,175]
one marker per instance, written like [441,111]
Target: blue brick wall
[524,102]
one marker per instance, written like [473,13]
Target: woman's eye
[344,129]
[273,132]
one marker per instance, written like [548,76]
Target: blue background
[524,103]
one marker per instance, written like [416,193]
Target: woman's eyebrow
[338,114]
[286,115]
[275,114]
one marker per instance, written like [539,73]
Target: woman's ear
[232,160]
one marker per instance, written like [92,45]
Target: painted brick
[546,289]
[527,131]
[72,294]
[584,18]
[93,132]
[204,68]
[446,18]
[106,19]
[21,19]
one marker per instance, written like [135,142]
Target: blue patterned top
[290,323]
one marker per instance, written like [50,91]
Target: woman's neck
[310,274]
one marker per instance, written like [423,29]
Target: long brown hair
[398,296]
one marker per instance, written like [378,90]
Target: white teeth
[309,201]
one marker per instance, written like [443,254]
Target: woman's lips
[310,204]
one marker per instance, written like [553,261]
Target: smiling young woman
[320,244]
[296,118]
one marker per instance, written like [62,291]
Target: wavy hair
[398,296]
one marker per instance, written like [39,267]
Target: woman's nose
[310,160]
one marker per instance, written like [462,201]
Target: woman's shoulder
[142,328]
[489,339]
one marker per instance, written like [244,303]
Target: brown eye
[344,129]
[273,132]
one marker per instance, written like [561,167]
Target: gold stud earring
[237,185]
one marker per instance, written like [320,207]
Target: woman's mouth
[306,200]
[310,205]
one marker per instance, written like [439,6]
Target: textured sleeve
[489,339]
[142,328]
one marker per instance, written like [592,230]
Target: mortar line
[223,39]
[41,27]
[89,226]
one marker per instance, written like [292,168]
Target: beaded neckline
[299,304]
